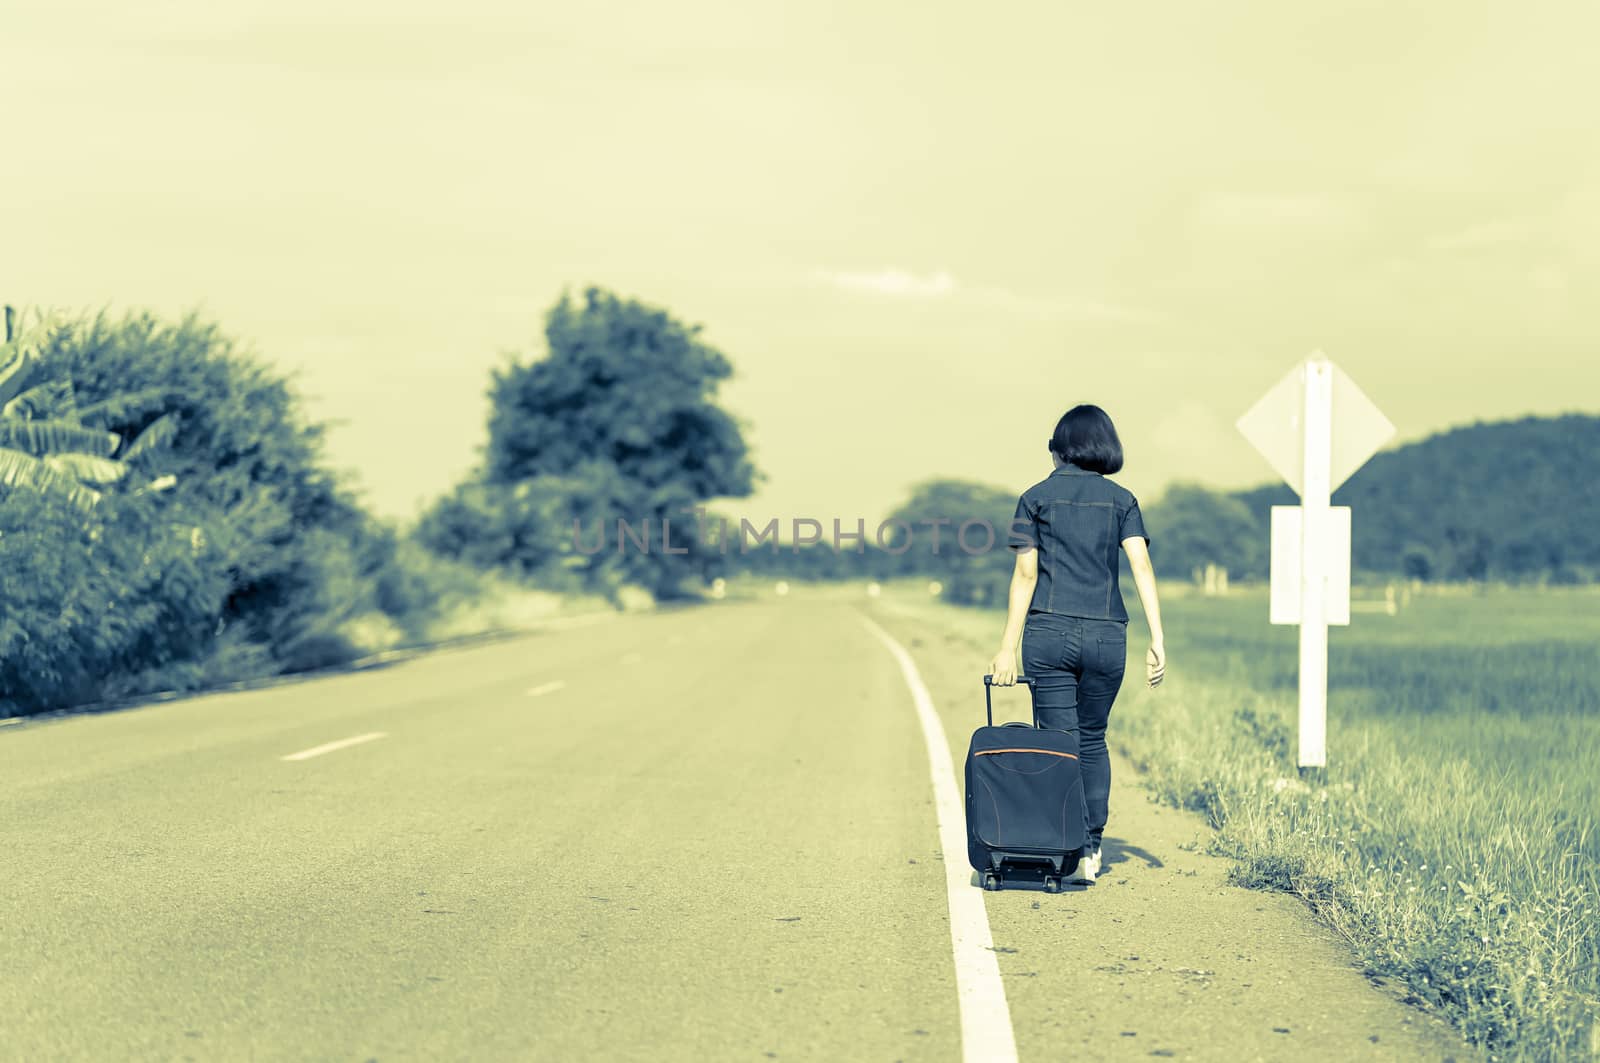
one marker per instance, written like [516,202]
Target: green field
[1453,839]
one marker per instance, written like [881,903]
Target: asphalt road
[696,835]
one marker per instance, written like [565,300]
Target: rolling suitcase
[1024,800]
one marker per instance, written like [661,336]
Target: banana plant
[44,443]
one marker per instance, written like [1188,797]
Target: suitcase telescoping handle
[1025,680]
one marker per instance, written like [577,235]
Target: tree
[1468,550]
[946,534]
[617,420]
[1416,562]
[1192,526]
[47,443]
[523,530]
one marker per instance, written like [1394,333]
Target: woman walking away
[1066,606]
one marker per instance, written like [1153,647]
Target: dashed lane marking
[343,743]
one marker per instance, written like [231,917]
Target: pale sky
[920,230]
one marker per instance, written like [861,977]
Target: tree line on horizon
[1508,500]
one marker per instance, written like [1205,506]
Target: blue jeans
[1077,665]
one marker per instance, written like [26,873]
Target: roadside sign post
[1315,427]
[1315,495]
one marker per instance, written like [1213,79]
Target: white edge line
[546,688]
[317,751]
[986,1033]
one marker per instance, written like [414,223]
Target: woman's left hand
[1004,668]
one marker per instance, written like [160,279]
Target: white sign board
[1315,427]
[1287,536]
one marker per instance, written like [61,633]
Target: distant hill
[1503,500]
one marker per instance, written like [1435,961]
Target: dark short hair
[1086,437]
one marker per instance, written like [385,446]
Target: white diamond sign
[1275,425]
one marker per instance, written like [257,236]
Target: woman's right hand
[1004,668]
[1155,663]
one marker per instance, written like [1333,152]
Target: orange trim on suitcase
[1046,752]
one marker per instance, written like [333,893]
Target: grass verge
[1452,840]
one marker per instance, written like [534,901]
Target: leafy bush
[254,560]
[118,593]
[302,558]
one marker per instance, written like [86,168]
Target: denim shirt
[1077,520]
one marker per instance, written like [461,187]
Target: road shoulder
[1163,957]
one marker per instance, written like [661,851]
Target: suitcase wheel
[1052,884]
[991,881]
